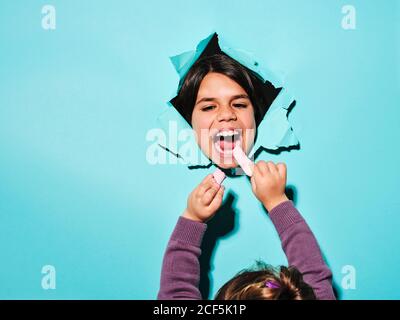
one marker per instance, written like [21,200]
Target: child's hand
[205,200]
[268,183]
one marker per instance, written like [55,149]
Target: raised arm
[300,246]
[180,274]
[301,249]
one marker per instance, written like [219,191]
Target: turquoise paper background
[76,103]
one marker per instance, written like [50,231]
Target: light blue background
[76,103]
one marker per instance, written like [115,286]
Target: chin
[224,160]
[226,165]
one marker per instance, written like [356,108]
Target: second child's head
[266,283]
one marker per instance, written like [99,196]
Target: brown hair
[261,93]
[266,283]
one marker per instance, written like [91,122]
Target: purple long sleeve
[302,250]
[180,273]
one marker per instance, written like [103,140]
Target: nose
[226,113]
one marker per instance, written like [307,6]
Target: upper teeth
[227,133]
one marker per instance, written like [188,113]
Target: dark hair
[250,284]
[261,93]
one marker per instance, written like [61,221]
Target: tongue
[226,145]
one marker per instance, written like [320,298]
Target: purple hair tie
[272,285]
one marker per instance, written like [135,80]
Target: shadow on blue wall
[224,223]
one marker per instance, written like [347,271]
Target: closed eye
[208,108]
[240,105]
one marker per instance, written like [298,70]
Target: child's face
[223,105]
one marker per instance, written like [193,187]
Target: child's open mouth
[225,140]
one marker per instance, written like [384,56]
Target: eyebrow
[238,96]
